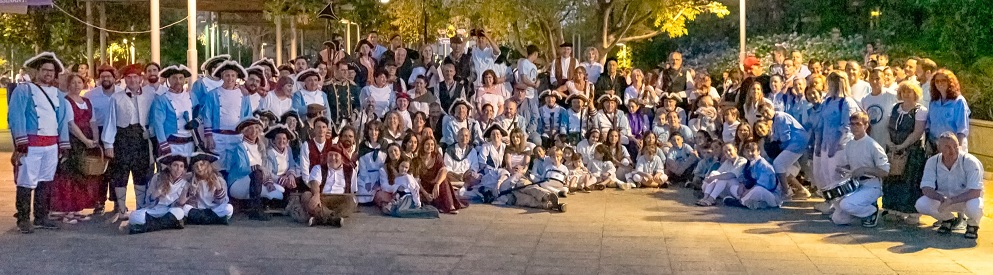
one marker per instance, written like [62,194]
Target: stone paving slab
[611,232]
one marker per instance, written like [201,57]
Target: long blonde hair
[213,182]
[837,85]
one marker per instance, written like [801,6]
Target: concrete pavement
[609,232]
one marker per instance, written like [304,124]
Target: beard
[153,79]
[252,88]
[106,84]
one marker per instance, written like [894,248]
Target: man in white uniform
[865,161]
[39,116]
[225,107]
[953,182]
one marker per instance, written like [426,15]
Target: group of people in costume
[414,135]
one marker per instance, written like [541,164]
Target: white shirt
[182,103]
[254,155]
[274,104]
[160,90]
[255,100]
[47,121]
[230,113]
[879,108]
[406,183]
[459,167]
[211,84]
[312,97]
[381,98]
[335,183]
[130,110]
[282,160]
[482,60]
[860,90]
[865,152]
[729,132]
[965,174]
[593,70]
[101,103]
[735,167]
[564,64]
[527,68]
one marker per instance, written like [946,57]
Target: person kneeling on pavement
[865,161]
[166,197]
[207,201]
[331,198]
[758,187]
[952,182]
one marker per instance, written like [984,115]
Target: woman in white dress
[379,94]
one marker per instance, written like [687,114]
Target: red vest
[318,157]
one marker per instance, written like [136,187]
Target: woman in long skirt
[906,126]
[74,191]
[434,179]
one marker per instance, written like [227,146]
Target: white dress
[158,207]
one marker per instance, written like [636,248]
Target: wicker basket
[94,165]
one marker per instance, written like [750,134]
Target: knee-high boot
[41,206]
[139,196]
[23,204]
[255,210]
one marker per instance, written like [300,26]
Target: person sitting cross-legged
[952,182]
[207,196]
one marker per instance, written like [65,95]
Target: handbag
[94,165]
[898,162]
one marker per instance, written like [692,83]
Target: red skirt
[71,194]
[447,200]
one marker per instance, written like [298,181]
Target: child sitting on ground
[407,193]
[579,177]
[649,170]
[602,169]
[709,162]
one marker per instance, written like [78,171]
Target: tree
[623,21]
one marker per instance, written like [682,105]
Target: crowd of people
[414,134]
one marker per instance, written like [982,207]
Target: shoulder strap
[50,103]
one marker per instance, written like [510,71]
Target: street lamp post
[191,39]
[741,32]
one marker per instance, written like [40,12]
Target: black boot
[255,210]
[41,207]
[170,221]
[197,216]
[23,204]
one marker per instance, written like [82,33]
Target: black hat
[266,114]
[603,98]
[287,67]
[248,121]
[265,62]
[287,114]
[43,58]
[495,127]
[303,75]
[212,63]
[576,96]
[279,129]
[170,158]
[229,65]
[565,45]
[175,69]
[460,101]
[201,156]
[257,71]
[542,95]
[322,119]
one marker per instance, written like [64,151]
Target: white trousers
[185,149]
[825,169]
[718,188]
[223,210]
[858,204]
[138,216]
[758,198]
[239,190]
[634,177]
[37,165]
[972,208]
[787,163]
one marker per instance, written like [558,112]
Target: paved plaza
[610,232]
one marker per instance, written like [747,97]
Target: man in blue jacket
[173,115]
[37,115]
